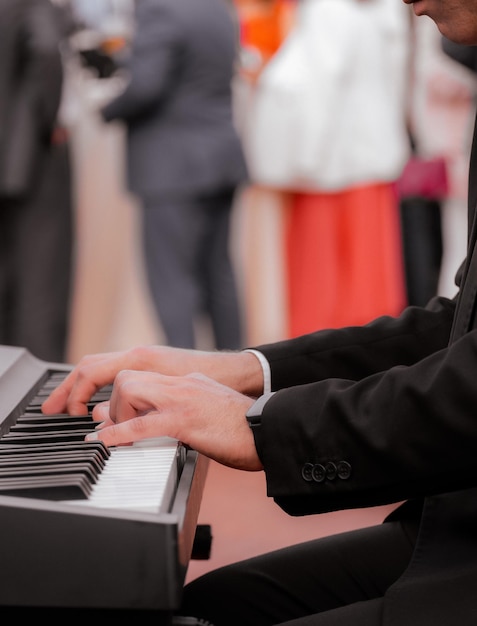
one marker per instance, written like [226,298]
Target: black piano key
[36,403]
[64,446]
[38,418]
[26,452]
[54,471]
[51,458]
[57,376]
[46,456]
[72,487]
[55,426]
[100,396]
[51,437]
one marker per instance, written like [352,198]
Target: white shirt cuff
[267,375]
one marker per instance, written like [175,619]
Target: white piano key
[138,477]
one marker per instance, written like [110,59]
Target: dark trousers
[36,256]
[334,581]
[189,268]
[422,246]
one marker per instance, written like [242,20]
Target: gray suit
[36,208]
[185,160]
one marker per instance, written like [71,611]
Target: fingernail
[91,436]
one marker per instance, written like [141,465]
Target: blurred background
[111,308]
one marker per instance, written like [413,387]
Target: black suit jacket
[383,413]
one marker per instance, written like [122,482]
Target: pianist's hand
[239,370]
[199,411]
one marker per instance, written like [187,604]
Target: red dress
[344,258]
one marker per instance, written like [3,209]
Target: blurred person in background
[328,127]
[102,32]
[264,25]
[36,208]
[97,15]
[342,238]
[185,162]
[433,188]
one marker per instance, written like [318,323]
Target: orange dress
[344,258]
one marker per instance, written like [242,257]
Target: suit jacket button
[318,473]
[307,472]
[344,470]
[331,470]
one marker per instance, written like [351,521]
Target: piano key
[72,487]
[63,446]
[50,458]
[38,418]
[36,402]
[53,470]
[33,430]
[35,406]
[55,426]
[51,437]
[138,477]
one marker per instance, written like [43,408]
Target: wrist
[240,370]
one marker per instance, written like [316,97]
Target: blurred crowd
[330,101]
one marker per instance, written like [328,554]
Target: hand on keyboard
[239,370]
[198,411]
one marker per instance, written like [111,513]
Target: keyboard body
[80,554]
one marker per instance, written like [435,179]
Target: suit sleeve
[356,352]
[154,60]
[390,416]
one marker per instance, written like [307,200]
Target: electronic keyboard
[83,526]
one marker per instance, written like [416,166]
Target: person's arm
[406,432]
[356,352]
[382,433]
[333,444]
[152,66]
[350,353]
